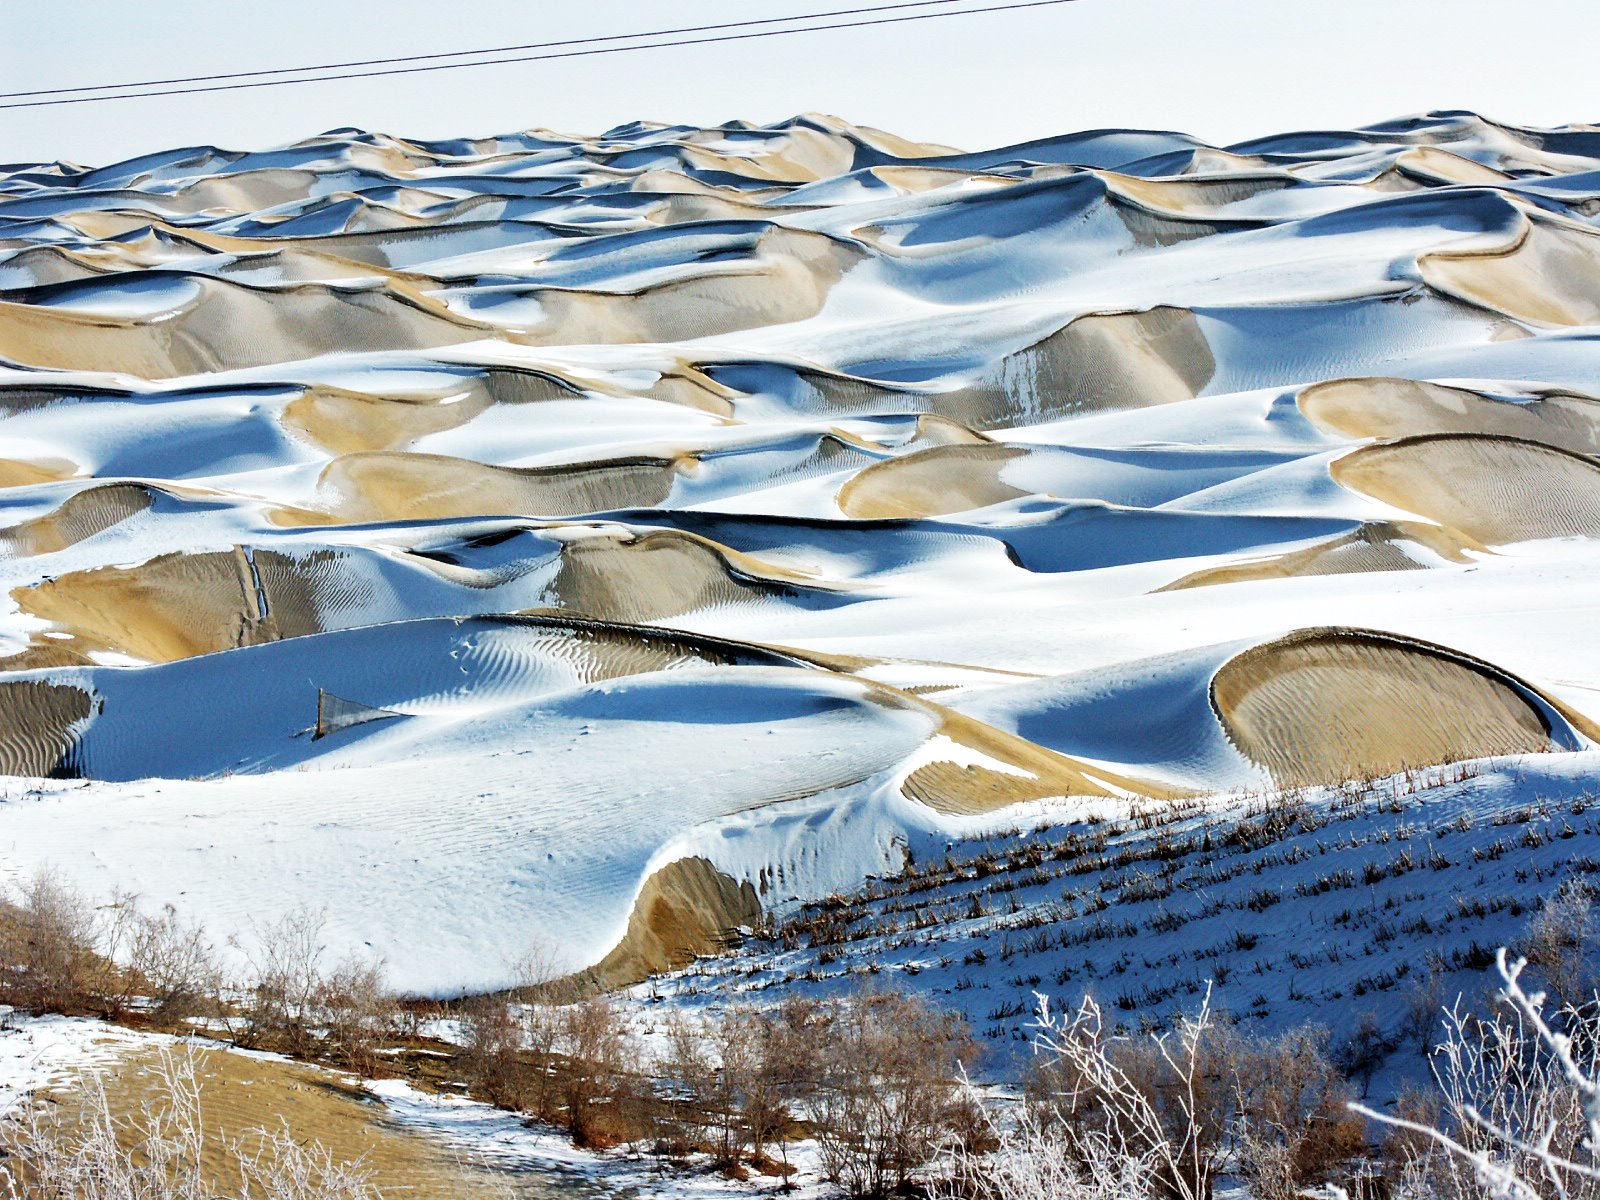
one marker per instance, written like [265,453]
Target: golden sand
[1492,490]
[1400,408]
[1327,705]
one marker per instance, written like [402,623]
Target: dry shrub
[1558,939]
[736,1078]
[705,1112]
[885,1094]
[49,943]
[286,966]
[599,1089]
[1163,1116]
[174,963]
[778,1052]
[1158,1109]
[1295,1127]
[491,1055]
[357,1011]
[1038,1158]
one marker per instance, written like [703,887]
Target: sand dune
[654,576]
[1375,546]
[1096,363]
[1548,274]
[931,482]
[180,605]
[39,722]
[623,535]
[1389,409]
[1324,705]
[407,487]
[1489,489]
[22,472]
[81,515]
[686,909]
[221,326]
[348,422]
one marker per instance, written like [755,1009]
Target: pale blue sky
[1221,69]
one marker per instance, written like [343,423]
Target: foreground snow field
[592,543]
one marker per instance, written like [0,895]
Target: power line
[495,62]
[375,62]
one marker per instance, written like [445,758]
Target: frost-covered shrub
[1518,1104]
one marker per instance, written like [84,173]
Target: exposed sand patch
[801,155]
[915,180]
[1327,705]
[227,325]
[179,605]
[1434,164]
[1097,363]
[346,422]
[44,265]
[1401,408]
[39,656]
[1550,274]
[240,1093]
[21,472]
[651,576]
[1191,197]
[242,191]
[686,909]
[604,649]
[392,486]
[951,787]
[786,279]
[1100,362]
[331,257]
[934,430]
[38,725]
[1492,490]
[931,483]
[692,389]
[81,516]
[1375,546]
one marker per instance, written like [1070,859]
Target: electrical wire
[494,62]
[377,62]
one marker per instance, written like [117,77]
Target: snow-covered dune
[475,537]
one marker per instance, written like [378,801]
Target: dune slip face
[593,543]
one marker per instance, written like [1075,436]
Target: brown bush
[286,962]
[1167,1100]
[885,1097]
[49,948]
[174,964]
[1295,1127]
[491,1054]
[358,1013]
[599,1089]
[1558,940]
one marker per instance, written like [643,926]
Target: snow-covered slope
[1362,909]
[461,534]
